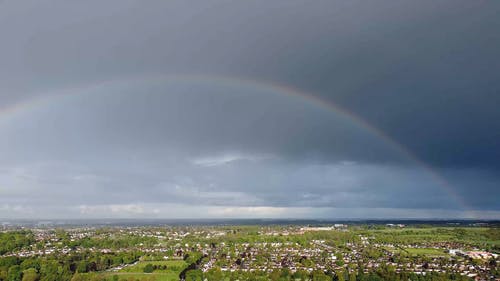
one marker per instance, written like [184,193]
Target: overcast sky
[172,109]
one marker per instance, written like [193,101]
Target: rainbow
[43,99]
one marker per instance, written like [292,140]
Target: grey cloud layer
[204,143]
[425,72]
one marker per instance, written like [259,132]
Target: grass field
[136,272]
[426,252]
[126,276]
[477,236]
[173,266]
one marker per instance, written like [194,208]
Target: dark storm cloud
[204,116]
[425,73]
[429,81]
[430,68]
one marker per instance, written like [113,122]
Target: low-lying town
[250,252]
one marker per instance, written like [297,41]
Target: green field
[480,237]
[136,272]
[426,252]
[173,266]
[412,252]
[125,276]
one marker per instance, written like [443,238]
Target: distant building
[395,225]
[318,228]
[455,252]
[481,255]
[323,228]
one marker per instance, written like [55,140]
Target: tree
[340,275]
[82,267]
[15,273]
[275,275]
[30,275]
[148,268]
[214,274]
[352,276]
[194,275]
[319,275]
[77,277]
